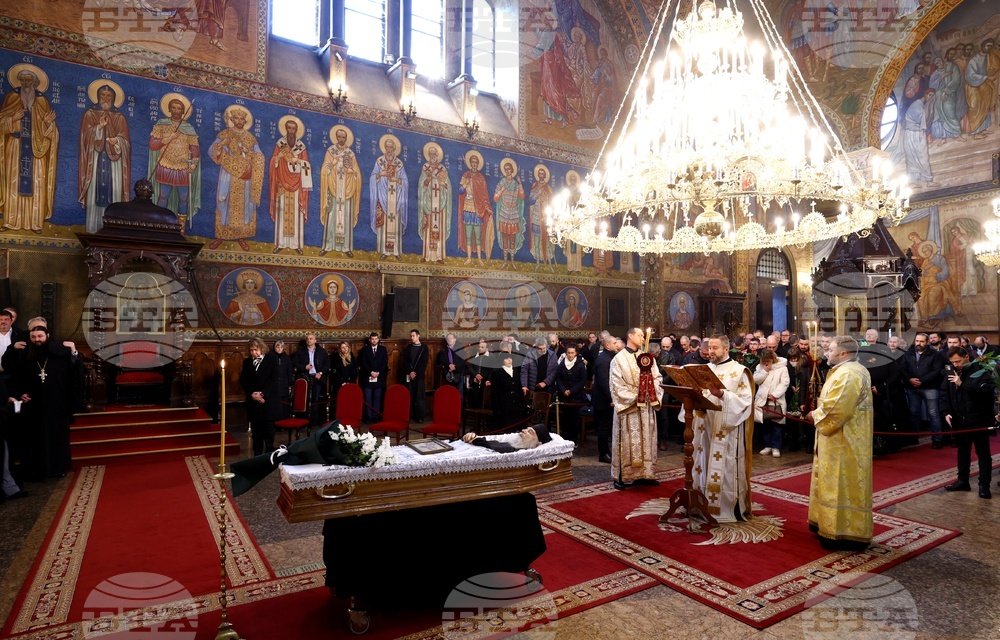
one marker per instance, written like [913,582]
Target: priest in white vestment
[633,431]
[723,439]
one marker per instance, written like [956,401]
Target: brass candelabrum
[226,630]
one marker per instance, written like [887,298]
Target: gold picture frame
[428,446]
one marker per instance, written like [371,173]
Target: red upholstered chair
[396,414]
[139,366]
[350,401]
[447,415]
[300,410]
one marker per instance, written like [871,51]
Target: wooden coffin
[362,498]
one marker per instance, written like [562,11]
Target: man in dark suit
[478,370]
[413,370]
[505,391]
[259,379]
[983,348]
[373,367]
[310,361]
[590,351]
[923,371]
[600,398]
[570,380]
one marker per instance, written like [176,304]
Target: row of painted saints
[510,215]
[251,297]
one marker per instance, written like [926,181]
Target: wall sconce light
[472,127]
[339,98]
[409,113]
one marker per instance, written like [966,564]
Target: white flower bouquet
[358,449]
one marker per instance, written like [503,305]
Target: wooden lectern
[693,500]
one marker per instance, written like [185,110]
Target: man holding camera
[967,404]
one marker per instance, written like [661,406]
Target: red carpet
[895,477]
[576,578]
[131,536]
[758,584]
[133,519]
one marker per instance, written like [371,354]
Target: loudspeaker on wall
[388,311]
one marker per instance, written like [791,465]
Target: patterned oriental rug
[136,547]
[895,477]
[120,523]
[756,583]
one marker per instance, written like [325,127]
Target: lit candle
[222,420]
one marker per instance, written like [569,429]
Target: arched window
[773,265]
[484,45]
[296,20]
[364,27]
[890,118]
[427,38]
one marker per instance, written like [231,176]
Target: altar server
[633,429]
[840,496]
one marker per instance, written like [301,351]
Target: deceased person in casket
[527,438]
[477,492]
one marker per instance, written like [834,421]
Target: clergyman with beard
[41,390]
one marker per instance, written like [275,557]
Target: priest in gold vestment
[723,439]
[633,432]
[840,496]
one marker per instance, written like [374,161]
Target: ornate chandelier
[988,251]
[723,148]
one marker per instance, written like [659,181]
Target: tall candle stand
[226,630]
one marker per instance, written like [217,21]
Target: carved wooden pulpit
[138,237]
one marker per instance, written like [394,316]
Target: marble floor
[947,593]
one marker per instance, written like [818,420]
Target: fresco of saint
[340,186]
[388,187]
[434,204]
[241,178]
[105,162]
[29,146]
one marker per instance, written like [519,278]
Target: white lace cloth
[462,458]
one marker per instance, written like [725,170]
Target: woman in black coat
[343,369]
[284,364]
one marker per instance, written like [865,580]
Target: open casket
[467,472]
[466,496]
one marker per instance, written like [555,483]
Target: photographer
[967,403]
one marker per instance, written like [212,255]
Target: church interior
[431,202]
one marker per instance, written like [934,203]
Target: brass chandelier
[723,148]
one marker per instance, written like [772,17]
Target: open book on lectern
[694,376]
